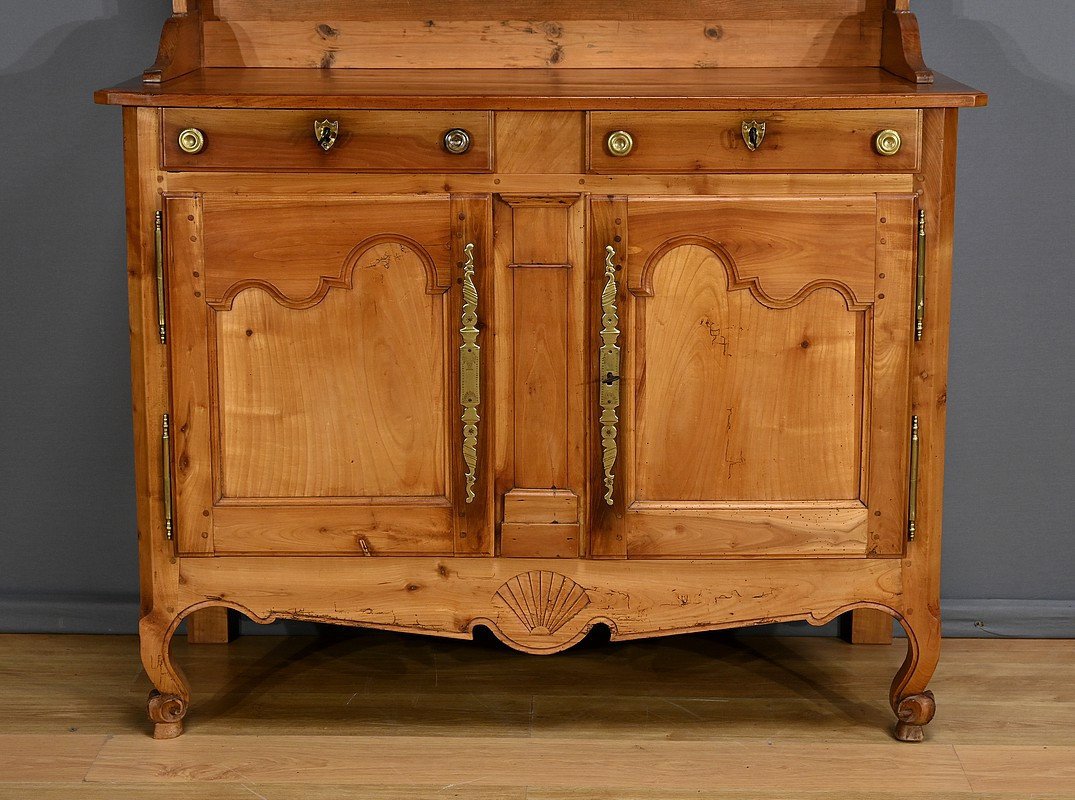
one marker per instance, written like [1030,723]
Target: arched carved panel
[345,398]
[765,395]
[752,283]
[383,250]
[297,249]
[780,249]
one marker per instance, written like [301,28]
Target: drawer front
[793,141]
[365,141]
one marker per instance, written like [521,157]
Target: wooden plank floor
[373,715]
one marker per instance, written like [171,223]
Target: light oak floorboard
[376,715]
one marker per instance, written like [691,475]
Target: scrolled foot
[914,712]
[166,711]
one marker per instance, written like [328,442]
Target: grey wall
[67,538]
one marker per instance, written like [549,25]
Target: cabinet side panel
[158,566]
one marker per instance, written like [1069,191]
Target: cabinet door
[316,354]
[761,401]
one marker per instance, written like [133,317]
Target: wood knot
[714,32]
[327,31]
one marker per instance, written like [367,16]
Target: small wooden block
[211,626]
[539,541]
[541,506]
[870,626]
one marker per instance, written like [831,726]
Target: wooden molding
[344,280]
[752,283]
[901,45]
[180,49]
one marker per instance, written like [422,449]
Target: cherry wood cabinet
[636,318]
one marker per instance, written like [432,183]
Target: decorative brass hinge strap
[912,490]
[920,285]
[158,239]
[609,361]
[166,474]
[470,372]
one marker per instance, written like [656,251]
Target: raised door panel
[313,355]
[764,388]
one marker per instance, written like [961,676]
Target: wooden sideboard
[540,315]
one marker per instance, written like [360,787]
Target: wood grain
[887,462]
[745,692]
[727,88]
[540,142]
[299,249]
[301,10]
[809,141]
[409,526]
[710,355]
[211,626]
[312,402]
[189,323]
[425,43]
[870,626]
[314,300]
[541,506]
[370,141]
[684,532]
[901,45]
[781,249]
[180,49]
[549,762]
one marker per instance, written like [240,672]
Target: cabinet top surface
[553,54]
[519,89]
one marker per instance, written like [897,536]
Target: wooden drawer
[368,141]
[794,141]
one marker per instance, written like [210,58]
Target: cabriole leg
[170,699]
[913,703]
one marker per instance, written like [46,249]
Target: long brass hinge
[920,285]
[158,238]
[166,474]
[912,489]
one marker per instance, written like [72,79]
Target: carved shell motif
[543,601]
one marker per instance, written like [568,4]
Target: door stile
[190,351]
[472,224]
[892,338]
[608,225]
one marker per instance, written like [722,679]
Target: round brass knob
[192,141]
[888,143]
[620,143]
[457,141]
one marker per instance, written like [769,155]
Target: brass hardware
[470,372]
[166,475]
[191,141]
[888,142]
[326,133]
[620,143]
[457,141]
[912,491]
[920,285]
[158,241]
[609,365]
[753,134]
